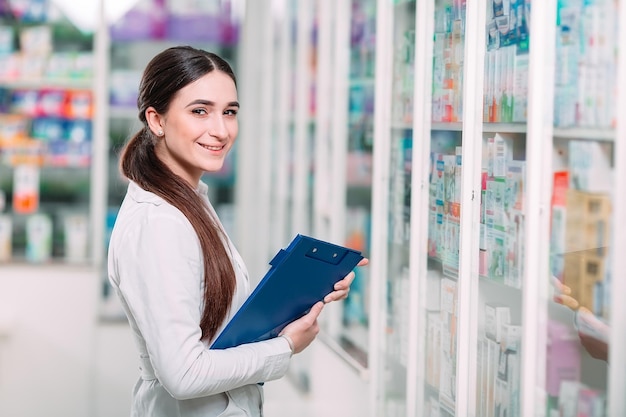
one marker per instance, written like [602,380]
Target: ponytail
[140,164]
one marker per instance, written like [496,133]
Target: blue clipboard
[299,276]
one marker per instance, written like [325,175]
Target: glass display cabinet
[494,283]
[583,194]
[344,185]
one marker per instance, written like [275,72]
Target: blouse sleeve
[160,274]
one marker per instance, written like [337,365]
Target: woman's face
[199,128]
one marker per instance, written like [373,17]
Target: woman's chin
[214,167]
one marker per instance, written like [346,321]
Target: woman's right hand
[304,330]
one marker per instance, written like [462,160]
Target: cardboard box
[582,272]
[588,219]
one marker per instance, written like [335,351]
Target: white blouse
[156,268]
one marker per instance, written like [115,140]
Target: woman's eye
[199,111]
[231,112]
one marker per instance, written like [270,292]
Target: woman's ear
[155,121]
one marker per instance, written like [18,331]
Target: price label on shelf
[26,189]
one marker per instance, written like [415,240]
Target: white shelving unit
[404,387]
[309,113]
[52,306]
[90,166]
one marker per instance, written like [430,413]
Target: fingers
[304,330]
[336,296]
[560,287]
[345,283]
[567,301]
[306,321]
[342,288]
[315,311]
[563,295]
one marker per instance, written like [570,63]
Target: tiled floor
[282,399]
[334,388]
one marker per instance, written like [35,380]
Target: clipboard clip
[326,253]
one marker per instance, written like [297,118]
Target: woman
[178,275]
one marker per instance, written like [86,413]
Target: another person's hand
[342,288]
[596,348]
[593,334]
[563,296]
[585,321]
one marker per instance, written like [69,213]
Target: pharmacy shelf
[517,285]
[79,157]
[603,135]
[63,83]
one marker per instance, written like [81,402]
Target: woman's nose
[217,127]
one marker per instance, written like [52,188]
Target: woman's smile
[213,148]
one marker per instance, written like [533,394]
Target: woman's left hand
[342,288]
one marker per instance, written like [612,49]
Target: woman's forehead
[216,86]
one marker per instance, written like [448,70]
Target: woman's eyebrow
[210,103]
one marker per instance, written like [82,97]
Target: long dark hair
[164,76]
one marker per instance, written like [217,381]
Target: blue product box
[78,130]
[48,128]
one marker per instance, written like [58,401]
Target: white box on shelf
[496,315]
